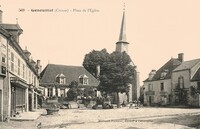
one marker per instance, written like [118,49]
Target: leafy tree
[116,71]
[73,84]
[116,74]
[95,58]
[74,91]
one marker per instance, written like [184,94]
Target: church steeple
[122,35]
[122,44]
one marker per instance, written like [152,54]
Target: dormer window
[164,73]
[83,79]
[61,79]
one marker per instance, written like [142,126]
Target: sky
[157,30]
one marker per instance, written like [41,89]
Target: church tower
[122,44]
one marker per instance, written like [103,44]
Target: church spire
[122,44]
[122,35]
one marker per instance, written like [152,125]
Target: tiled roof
[187,65]
[169,66]
[11,26]
[48,75]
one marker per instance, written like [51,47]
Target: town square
[98,64]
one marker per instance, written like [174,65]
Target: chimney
[181,57]
[38,63]
[1,16]
[38,67]
[27,53]
[151,74]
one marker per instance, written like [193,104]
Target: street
[122,118]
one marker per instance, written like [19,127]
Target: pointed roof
[122,35]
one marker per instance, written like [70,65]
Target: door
[13,101]
[1,104]
[150,98]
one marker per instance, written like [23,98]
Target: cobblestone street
[123,118]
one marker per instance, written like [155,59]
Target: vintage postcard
[97,64]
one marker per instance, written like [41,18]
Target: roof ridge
[192,60]
[65,65]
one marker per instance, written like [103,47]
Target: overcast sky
[157,30]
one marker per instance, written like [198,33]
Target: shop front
[19,100]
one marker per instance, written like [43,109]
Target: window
[23,74]
[150,87]
[34,81]
[181,82]
[162,86]
[12,62]
[50,92]
[83,79]
[61,79]
[29,77]
[18,66]
[198,85]
[62,92]
[3,58]
[56,91]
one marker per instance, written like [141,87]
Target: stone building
[175,83]
[18,74]
[56,79]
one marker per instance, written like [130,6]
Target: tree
[116,74]
[116,71]
[74,91]
[95,58]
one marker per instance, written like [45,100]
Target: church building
[122,46]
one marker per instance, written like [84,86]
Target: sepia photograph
[97,64]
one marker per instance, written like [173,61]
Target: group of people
[135,104]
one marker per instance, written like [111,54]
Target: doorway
[150,100]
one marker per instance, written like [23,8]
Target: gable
[196,76]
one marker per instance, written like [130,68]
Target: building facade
[185,85]
[56,79]
[175,83]
[19,74]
